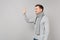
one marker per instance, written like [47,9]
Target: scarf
[37,23]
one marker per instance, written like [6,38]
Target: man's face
[38,10]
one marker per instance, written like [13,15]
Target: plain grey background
[13,25]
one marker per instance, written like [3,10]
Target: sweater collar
[40,14]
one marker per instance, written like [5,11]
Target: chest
[38,21]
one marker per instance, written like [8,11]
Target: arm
[29,20]
[26,18]
[46,24]
[44,30]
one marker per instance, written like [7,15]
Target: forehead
[37,7]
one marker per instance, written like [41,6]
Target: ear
[41,9]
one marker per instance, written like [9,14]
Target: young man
[41,27]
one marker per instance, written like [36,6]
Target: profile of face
[38,10]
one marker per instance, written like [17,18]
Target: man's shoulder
[45,17]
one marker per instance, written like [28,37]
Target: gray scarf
[37,23]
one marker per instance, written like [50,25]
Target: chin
[36,13]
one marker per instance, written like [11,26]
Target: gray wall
[13,25]
[54,17]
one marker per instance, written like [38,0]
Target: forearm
[27,19]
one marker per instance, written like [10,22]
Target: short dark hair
[40,6]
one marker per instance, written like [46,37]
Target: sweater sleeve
[32,20]
[46,33]
[46,29]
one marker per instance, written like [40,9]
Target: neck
[39,13]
